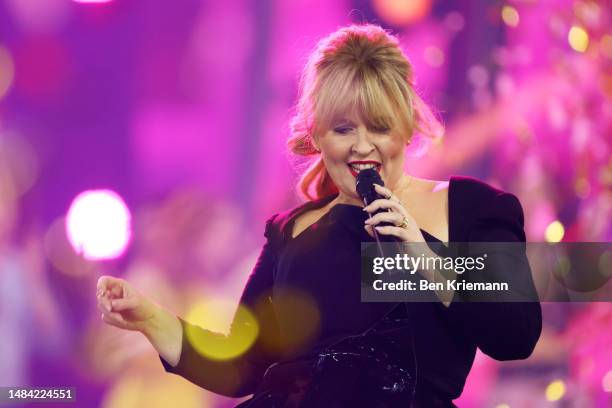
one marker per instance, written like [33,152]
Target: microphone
[365,188]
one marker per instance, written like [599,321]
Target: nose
[362,145]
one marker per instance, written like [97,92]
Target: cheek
[394,151]
[336,167]
[333,152]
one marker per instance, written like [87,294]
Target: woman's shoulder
[474,203]
[419,184]
[279,223]
[473,186]
[462,191]
[479,195]
[463,184]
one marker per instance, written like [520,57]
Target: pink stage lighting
[92,1]
[98,224]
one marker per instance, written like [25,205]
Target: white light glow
[98,224]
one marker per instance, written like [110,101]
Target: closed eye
[343,129]
[381,130]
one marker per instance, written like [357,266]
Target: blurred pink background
[171,119]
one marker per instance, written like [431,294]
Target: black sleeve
[239,376]
[502,330]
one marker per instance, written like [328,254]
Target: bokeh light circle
[555,390]
[578,38]
[554,231]
[209,319]
[98,225]
[510,16]
[401,12]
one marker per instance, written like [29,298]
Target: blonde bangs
[361,93]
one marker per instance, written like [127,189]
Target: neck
[402,184]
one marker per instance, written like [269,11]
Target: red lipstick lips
[355,172]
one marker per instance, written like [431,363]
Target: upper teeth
[360,166]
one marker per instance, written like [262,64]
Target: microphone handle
[377,237]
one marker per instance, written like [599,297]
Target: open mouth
[356,167]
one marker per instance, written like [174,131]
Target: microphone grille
[365,183]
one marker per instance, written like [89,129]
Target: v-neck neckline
[314,205]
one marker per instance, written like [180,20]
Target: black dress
[322,263]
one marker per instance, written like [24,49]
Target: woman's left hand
[404,226]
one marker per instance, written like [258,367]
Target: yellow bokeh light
[510,16]
[555,390]
[7,71]
[564,266]
[578,39]
[209,322]
[502,406]
[554,232]
[290,302]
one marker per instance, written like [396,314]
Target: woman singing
[357,110]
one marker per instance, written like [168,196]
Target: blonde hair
[359,69]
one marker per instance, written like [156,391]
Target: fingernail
[378,228]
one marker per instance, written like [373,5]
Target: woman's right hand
[123,306]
